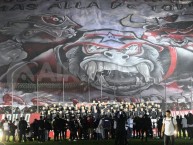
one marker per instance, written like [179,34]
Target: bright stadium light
[184,2]
[1,134]
[175,132]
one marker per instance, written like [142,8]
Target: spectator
[121,119]
[48,127]
[6,129]
[146,126]
[99,129]
[179,120]
[73,126]
[22,129]
[106,124]
[56,129]
[184,126]
[85,126]
[159,125]
[12,130]
[35,127]
[29,134]
[190,125]
[16,123]
[90,122]
[130,127]
[41,129]
[168,128]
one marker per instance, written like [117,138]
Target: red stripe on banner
[173,56]
[34,116]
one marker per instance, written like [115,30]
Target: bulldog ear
[150,27]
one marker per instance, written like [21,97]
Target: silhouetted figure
[73,126]
[190,125]
[146,126]
[22,129]
[12,130]
[35,127]
[56,128]
[41,130]
[179,120]
[159,126]
[121,119]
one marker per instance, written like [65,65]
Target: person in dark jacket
[121,119]
[159,126]
[179,120]
[48,127]
[35,127]
[73,126]
[12,130]
[146,126]
[106,123]
[56,128]
[41,130]
[190,125]
[84,124]
[22,129]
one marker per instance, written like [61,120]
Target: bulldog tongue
[91,70]
[144,70]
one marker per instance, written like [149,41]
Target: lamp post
[191,93]
[191,101]
[63,90]
[19,66]
[101,86]
[88,90]
[12,89]
[178,109]
[165,96]
[37,89]
[140,98]
[190,88]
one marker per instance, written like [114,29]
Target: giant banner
[84,50]
[28,117]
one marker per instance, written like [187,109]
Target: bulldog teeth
[143,69]
[91,70]
[138,81]
[109,73]
[100,66]
[130,74]
[102,81]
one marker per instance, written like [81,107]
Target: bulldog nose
[108,54]
[111,54]
[115,56]
[124,56]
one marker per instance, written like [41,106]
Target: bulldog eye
[95,49]
[132,50]
[55,19]
[132,47]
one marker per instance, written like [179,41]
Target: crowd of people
[119,121]
[24,109]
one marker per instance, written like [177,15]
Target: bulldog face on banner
[175,34]
[41,28]
[115,61]
[32,37]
